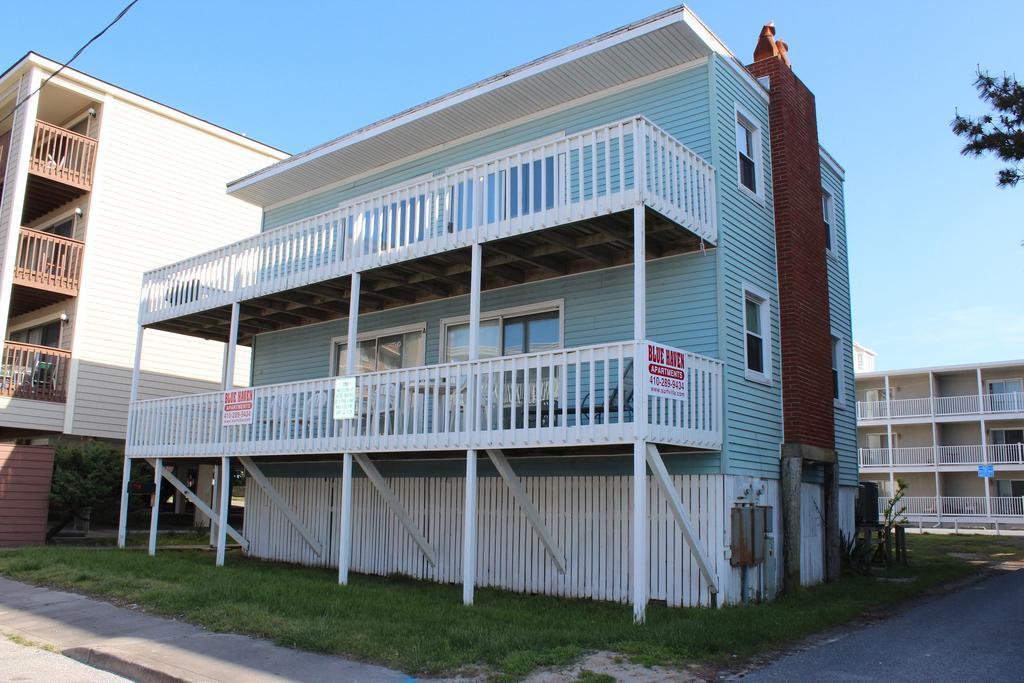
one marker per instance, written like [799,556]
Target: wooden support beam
[396,506]
[668,489]
[200,505]
[532,514]
[525,256]
[282,505]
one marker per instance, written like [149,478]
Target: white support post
[532,514]
[469,531]
[345,515]
[282,505]
[396,506]
[154,512]
[476,279]
[122,520]
[225,506]
[214,484]
[639,273]
[230,349]
[664,481]
[639,577]
[984,445]
[201,505]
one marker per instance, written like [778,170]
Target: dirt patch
[603,666]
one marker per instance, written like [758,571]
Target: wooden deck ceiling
[603,242]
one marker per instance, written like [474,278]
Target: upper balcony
[552,207]
[60,167]
[47,269]
[941,407]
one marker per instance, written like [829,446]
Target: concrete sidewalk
[147,648]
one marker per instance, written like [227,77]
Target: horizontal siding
[598,308]
[842,326]
[677,103]
[753,426]
[36,415]
[25,473]
[159,196]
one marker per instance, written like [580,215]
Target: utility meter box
[750,525]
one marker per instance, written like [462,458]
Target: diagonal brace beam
[373,474]
[200,505]
[516,487]
[661,476]
[282,505]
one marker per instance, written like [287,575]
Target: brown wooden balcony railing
[48,261]
[34,372]
[63,155]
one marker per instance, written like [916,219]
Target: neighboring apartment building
[863,358]
[954,434]
[630,253]
[99,185]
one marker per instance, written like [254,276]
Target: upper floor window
[507,333]
[828,215]
[756,339]
[383,350]
[48,334]
[748,148]
[837,370]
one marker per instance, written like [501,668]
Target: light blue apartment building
[526,335]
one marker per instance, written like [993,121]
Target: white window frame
[744,118]
[1003,430]
[840,343]
[377,334]
[763,300]
[499,314]
[829,203]
[885,435]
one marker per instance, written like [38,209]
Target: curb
[122,666]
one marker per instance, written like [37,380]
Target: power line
[75,56]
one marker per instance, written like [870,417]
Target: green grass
[422,628]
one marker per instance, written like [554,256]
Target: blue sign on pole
[986,470]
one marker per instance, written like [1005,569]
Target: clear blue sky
[935,248]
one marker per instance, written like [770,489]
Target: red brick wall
[806,338]
[25,473]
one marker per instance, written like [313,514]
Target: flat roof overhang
[644,48]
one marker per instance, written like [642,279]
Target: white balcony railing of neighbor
[1012,402]
[1005,454]
[534,186]
[958,506]
[578,396]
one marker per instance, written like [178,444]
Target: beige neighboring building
[954,433]
[98,186]
[863,358]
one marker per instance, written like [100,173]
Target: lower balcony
[604,395]
[915,456]
[34,372]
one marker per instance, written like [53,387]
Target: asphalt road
[27,663]
[972,634]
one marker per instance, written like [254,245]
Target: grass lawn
[422,628]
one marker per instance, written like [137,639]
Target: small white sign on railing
[666,372]
[237,407]
[344,398]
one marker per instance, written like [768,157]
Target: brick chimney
[800,243]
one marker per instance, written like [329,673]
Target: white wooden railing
[1012,402]
[1007,454]
[958,506]
[579,396]
[531,187]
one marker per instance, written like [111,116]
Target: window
[40,335]
[756,341]
[507,333]
[877,440]
[837,370]
[63,228]
[382,350]
[748,152]
[828,215]
[1006,488]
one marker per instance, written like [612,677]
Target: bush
[85,476]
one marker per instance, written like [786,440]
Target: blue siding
[839,315]
[746,228]
[678,103]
